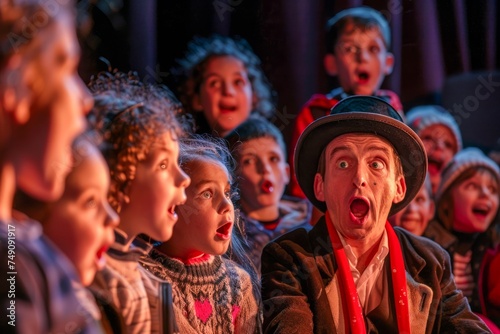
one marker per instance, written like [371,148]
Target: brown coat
[297,267]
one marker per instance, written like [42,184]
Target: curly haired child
[223,84]
[212,292]
[141,145]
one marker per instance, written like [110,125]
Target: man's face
[360,185]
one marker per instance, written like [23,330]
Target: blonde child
[211,293]
[223,84]
[263,173]
[467,204]
[42,106]
[416,216]
[441,137]
[141,146]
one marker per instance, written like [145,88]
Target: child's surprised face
[361,61]
[441,146]
[416,216]
[81,223]
[225,95]
[475,202]
[263,173]
[206,220]
[158,187]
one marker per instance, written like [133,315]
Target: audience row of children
[152,212]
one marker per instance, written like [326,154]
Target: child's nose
[229,89]
[112,217]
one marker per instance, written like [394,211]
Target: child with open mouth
[263,173]
[441,137]
[223,84]
[141,146]
[467,205]
[81,222]
[211,292]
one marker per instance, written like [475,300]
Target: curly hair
[130,115]
[201,50]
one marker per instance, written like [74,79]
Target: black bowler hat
[361,114]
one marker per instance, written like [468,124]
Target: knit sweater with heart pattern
[210,295]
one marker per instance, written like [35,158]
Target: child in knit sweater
[141,145]
[211,293]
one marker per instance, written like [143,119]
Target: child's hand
[462,271]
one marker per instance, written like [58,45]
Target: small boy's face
[50,102]
[441,146]
[225,96]
[475,202]
[263,174]
[206,220]
[81,222]
[360,61]
[416,216]
[158,187]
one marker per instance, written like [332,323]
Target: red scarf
[354,319]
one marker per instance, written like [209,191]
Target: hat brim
[321,132]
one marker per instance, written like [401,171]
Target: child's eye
[214,83]
[374,50]
[90,203]
[377,165]
[228,195]
[343,164]
[275,159]
[239,82]
[247,161]
[207,194]
[163,164]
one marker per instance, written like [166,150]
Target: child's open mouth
[359,208]
[225,108]
[224,232]
[100,258]
[434,166]
[481,211]
[267,187]
[172,212]
[363,77]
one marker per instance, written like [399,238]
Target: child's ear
[15,99]
[196,103]
[330,64]
[287,173]
[389,63]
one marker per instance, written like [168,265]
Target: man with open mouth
[354,272]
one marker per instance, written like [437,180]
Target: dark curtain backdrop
[433,40]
